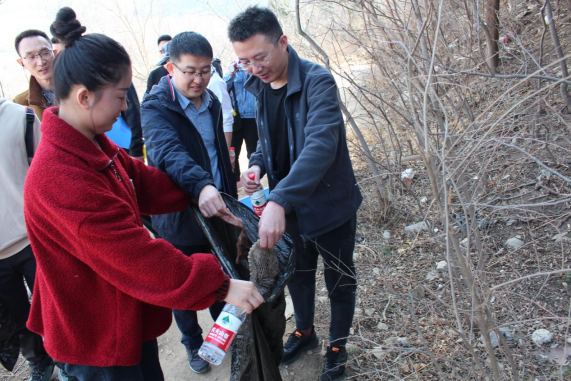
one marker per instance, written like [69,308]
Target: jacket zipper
[264,140]
[115,172]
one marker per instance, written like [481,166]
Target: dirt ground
[175,366]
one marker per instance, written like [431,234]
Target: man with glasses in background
[36,55]
[182,126]
[314,196]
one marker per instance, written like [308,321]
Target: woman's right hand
[244,294]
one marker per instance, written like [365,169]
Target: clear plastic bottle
[258,198]
[222,334]
[232,155]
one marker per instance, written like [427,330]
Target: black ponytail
[67,28]
[93,60]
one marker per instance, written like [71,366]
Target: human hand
[272,225]
[251,179]
[211,204]
[243,294]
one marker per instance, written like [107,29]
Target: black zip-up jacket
[321,186]
[175,147]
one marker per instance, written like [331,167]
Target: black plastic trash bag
[258,347]
[9,340]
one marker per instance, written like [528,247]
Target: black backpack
[30,117]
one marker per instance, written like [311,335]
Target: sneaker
[63,376]
[196,363]
[297,344]
[42,374]
[334,367]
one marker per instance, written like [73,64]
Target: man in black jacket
[156,75]
[182,125]
[302,148]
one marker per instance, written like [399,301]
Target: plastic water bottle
[258,198]
[232,155]
[222,334]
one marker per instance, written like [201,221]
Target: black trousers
[148,369]
[248,133]
[336,249]
[14,297]
[187,321]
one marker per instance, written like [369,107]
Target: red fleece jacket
[103,286]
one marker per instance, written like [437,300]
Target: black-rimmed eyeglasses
[44,55]
[193,74]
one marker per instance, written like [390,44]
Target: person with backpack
[19,137]
[244,128]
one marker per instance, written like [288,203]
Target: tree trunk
[492,22]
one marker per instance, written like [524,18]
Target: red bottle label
[221,337]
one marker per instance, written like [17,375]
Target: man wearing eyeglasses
[183,130]
[314,196]
[37,56]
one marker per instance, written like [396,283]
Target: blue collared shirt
[202,121]
[246,100]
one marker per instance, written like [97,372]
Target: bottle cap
[251,175]
[232,149]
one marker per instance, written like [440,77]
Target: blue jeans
[187,321]
[336,249]
[148,369]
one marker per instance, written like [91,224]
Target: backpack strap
[230,82]
[30,117]
[232,90]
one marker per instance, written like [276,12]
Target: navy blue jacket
[175,147]
[321,185]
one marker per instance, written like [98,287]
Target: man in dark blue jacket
[302,148]
[182,126]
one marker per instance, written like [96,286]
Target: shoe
[334,367]
[297,344]
[42,374]
[196,363]
[63,376]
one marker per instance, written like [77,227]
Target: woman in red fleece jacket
[104,289]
